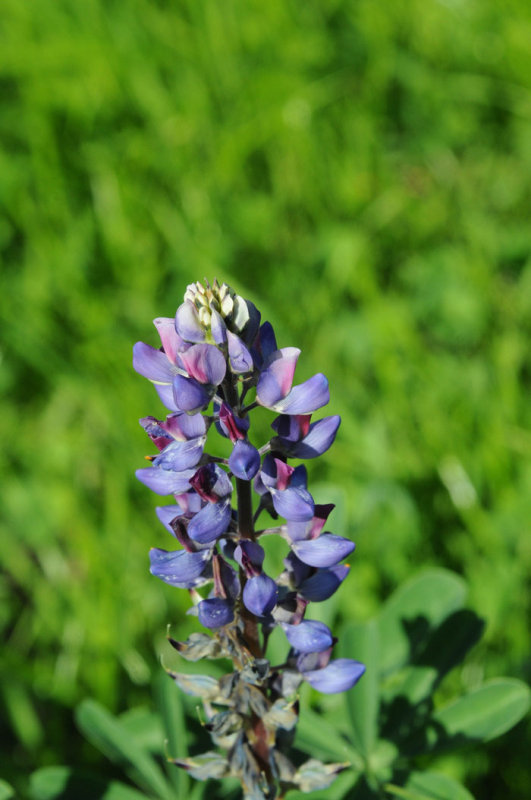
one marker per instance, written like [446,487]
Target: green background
[361,171]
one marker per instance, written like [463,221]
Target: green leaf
[430,786]
[6,791]
[479,716]
[316,736]
[413,611]
[114,740]
[169,702]
[63,783]
[145,726]
[408,699]
[362,643]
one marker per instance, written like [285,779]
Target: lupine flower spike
[216,363]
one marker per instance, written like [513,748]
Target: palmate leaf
[413,611]
[478,716]
[63,783]
[407,700]
[114,740]
[429,786]
[362,643]
[318,737]
[171,709]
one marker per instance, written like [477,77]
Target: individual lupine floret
[287,488]
[297,437]
[260,592]
[275,389]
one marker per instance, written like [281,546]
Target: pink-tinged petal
[165,393]
[179,456]
[320,437]
[184,426]
[323,583]
[205,363]
[163,481]
[284,473]
[338,676]
[305,397]
[293,504]
[189,395]
[215,612]
[309,636]
[239,357]
[158,436]
[291,428]
[232,426]
[152,363]
[170,339]
[179,568]
[189,502]
[244,461]
[311,529]
[211,522]
[277,378]
[187,323]
[218,327]
[325,551]
[260,595]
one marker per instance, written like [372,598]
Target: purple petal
[260,595]
[187,323]
[171,341]
[189,502]
[205,363]
[266,343]
[209,523]
[218,327]
[189,395]
[163,481]
[152,364]
[184,426]
[178,568]
[250,556]
[232,426]
[158,436]
[211,482]
[311,529]
[325,551]
[168,513]
[297,569]
[338,676]
[244,461]
[319,438]
[293,504]
[299,477]
[215,612]
[277,378]
[179,456]
[323,583]
[309,636]
[240,358]
[165,393]
[291,427]
[305,397]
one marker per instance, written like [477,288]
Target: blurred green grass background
[361,171]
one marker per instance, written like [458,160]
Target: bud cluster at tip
[217,362]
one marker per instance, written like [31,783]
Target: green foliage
[361,170]
[395,715]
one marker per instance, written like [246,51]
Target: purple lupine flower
[274,389]
[298,438]
[216,351]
